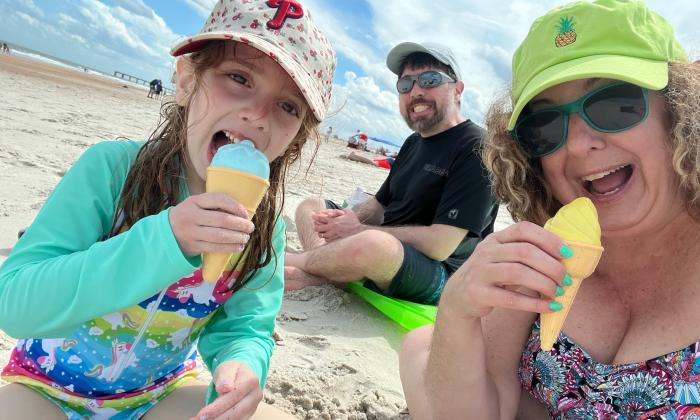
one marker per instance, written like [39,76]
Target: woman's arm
[242,330]
[484,319]
[60,274]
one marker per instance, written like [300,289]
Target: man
[432,210]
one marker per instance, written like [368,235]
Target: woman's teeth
[599,175]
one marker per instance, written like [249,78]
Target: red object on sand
[383,163]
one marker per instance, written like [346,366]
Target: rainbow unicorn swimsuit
[120,364]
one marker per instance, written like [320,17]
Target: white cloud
[359,103]
[483,35]
[136,6]
[202,7]
[28,19]
[129,36]
[31,8]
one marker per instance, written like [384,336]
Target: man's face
[426,110]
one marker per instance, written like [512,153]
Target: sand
[337,357]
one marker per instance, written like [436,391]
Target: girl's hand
[517,268]
[239,393]
[210,222]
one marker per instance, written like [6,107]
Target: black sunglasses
[427,80]
[609,109]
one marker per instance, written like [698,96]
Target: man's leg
[369,254]
[305,226]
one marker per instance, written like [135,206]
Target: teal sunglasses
[609,109]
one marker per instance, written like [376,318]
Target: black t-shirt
[441,179]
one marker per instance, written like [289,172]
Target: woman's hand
[210,222]
[516,268]
[239,393]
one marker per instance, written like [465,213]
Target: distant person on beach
[433,209]
[385,162]
[159,89]
[611,114]
[354,140]
[105,291]
[5,48]
[155,88]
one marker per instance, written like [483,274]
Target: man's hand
[239,393]
[334,224]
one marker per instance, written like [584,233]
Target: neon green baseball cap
[615,39]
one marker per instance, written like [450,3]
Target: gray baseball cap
[440,52]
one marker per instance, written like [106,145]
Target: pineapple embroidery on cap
[567,33]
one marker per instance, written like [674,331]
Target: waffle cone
[243,187]
[579,266]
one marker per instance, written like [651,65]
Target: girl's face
[247,96]
[628,175]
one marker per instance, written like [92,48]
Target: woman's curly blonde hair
[519,183]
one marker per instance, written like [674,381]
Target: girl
[104,289]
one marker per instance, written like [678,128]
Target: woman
[607,108]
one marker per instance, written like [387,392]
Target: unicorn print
[119,320]
[121,359]
[49,346]
[100,412]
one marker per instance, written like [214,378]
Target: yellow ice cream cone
[243,187]
[579,266]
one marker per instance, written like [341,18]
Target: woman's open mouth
[607,183]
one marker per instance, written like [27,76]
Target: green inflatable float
[409,315]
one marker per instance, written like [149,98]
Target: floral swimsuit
[572,385]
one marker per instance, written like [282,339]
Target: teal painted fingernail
[566,252]
[555,306]
[567,280]
[560,291]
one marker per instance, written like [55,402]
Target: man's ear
[459,88]
[184,84]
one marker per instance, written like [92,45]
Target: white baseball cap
[440,52]
[285,32]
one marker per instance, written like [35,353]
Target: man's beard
[425,125]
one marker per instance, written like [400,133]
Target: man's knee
[374,247]
[308,206]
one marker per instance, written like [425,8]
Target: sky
[135,36]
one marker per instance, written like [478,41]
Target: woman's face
[628,175]
[247,96]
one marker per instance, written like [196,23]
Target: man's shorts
[332,205]
[419,279]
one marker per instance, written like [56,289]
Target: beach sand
[336,358]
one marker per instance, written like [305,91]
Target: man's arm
[370,212]
[436,241]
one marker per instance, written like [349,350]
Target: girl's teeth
[232,138]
